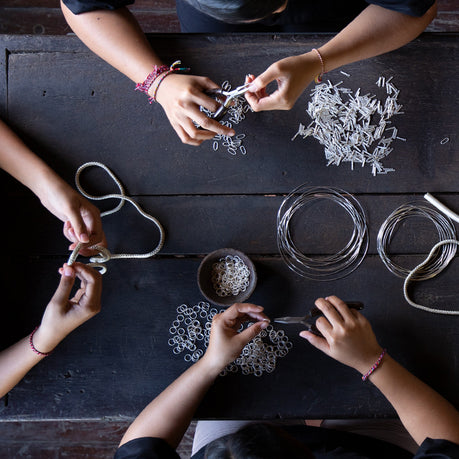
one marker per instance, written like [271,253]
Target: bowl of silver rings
[227,276]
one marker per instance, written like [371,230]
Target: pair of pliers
[226,99]
[313,314]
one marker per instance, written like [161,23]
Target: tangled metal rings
[445,229]
[324,267]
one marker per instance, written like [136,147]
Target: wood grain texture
[78,109]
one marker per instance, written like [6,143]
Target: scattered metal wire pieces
[345,127]
[191,333]
[432,266]
[235,115]
[325,267]
[445,140]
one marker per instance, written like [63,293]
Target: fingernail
[84,237]
[264,324]
[68,272]
[253,88]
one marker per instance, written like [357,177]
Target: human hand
[181,96]
[292,74]
[226,343]
[63,315]
[347,335]
[81,219]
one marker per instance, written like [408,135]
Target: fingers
[329,311]
[257,96]
[91,285]
[78,226]
[181,97]
[346,313]
[65,286]
[249,333]
[238,310]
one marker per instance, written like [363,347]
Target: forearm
[116,37]
[24,165]
[169,415]
[422,411]
[15,362]
[375,31]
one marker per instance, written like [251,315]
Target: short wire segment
[235,115]
[104,254]
[191,333]
[433,265]
[345,124]
[325,267]
[420,268]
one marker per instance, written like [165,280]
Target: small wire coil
[445,229]
[324,267]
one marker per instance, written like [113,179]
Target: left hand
[81,219]
[226,343]
[292,74]
[64,314]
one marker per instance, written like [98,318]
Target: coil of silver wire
[323,267]
[445,229]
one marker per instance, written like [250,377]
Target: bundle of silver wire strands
[324,267]
[445,229]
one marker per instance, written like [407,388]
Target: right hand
[181,96]
[64,314]
[347,335]
[226,343]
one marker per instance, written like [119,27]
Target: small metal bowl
[205,274]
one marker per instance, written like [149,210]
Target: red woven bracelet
[44,354]
[318,78]
[375,366]
[161,72]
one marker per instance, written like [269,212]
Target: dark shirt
[299,16]
[324,444]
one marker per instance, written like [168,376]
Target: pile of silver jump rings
[190,335]
[323,267]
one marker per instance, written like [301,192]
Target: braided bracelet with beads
[375,366]
[34,349]
[158,71]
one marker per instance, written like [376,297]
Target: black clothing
[324,444]
[299,16]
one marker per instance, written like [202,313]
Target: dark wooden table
[71,107]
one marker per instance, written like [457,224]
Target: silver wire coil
[323,267]
[445,229]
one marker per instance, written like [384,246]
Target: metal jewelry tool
[313,313]
[226,99]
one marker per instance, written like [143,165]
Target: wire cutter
[313,314]
[226,99]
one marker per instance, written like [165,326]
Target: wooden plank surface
[78,109]
[273,163]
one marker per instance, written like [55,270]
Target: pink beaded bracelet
[43,354]
[375,366]
[161,72]
[318,78]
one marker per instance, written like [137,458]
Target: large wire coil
[445,229]
[323,267]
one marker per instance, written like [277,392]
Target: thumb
[261,81]
[249,333]
[65,286]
